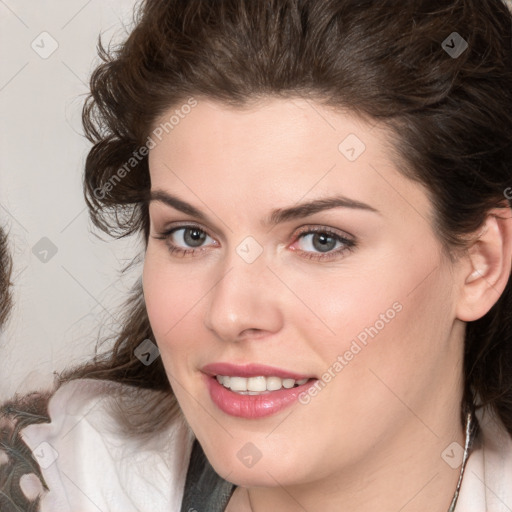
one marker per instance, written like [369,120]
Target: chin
[244,465]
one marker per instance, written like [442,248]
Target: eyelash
[349,244]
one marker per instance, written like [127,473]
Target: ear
[487,267]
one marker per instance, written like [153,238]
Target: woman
[324,317]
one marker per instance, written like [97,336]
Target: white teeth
[288,383]
[256,385]
[223,379]
[274,383]
[237,383]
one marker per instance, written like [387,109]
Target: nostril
[252,333]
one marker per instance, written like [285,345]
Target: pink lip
[251,406]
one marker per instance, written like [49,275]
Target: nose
[245,302]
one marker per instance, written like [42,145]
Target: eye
[321,243]
[189,237]
[187,240]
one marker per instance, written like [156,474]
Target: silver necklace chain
[470,435]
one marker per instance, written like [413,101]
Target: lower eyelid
[338,253]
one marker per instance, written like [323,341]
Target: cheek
[336,308]
[172,296]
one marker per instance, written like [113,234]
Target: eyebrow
[172,201]
[278,216]
[312,207]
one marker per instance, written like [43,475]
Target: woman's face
[285,246]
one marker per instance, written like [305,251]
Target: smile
[253,391]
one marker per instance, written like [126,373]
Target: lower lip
[253,406]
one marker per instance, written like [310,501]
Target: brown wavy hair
[5,278]
[384,60]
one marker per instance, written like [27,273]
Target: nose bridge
[243,300]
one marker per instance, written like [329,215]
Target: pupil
[323,242]
[194,237]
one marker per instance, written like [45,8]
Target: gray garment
[205,490]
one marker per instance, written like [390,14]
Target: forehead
[271,127]
[281,150]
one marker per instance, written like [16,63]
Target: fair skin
[372,438]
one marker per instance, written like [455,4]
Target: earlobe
[489,261]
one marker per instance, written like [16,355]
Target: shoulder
[487,482]
[106,446]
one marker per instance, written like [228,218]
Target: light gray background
[59,303]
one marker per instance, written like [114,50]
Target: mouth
[253,391]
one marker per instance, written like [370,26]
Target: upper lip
[250,370]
